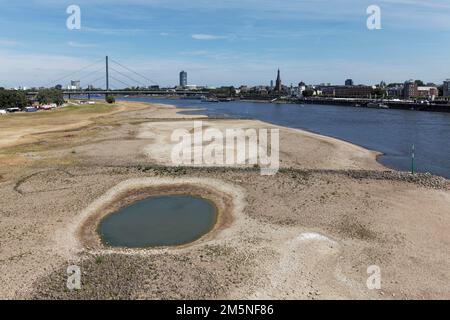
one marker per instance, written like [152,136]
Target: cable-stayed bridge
[110,77]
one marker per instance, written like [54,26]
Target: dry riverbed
[309,232]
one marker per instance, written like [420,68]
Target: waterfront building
[301,89]
[194,87]
[261,90]
[394,92]
[293,91]
[429,93]
[349,82]
[447,88]
[183,79]
[410,89]
[347,91]
[244,89]
[328,91]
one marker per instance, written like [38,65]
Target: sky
[228,42]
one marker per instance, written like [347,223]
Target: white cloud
[197,53]
[112,32]
[206,37]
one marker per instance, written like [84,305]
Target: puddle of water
[159,221]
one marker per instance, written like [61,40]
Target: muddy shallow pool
[170,220]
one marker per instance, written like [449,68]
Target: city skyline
[229,43]
[183,82]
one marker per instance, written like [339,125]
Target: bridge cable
[136,73]
[126,84]
[92,73]
[122,74]
[73,73]
[101,78]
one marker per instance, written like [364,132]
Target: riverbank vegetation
[48,96]
[19,99]
[12,99]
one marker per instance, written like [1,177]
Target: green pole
[413,156]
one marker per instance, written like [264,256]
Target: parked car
[31,109]
[12,110]
[3,112]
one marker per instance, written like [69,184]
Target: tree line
[19,99]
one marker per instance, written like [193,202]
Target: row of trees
[18,99]
[47,96]
[13,99]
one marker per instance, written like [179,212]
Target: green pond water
[159,221]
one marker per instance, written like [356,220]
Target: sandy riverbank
[309,232]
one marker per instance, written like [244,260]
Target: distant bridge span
[118,77]
[125,92]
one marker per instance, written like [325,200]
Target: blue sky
[229,42]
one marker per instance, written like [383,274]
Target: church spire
[278,86]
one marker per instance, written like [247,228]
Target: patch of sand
[297,148]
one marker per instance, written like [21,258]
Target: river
[392,132]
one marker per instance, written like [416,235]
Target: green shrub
[110,99]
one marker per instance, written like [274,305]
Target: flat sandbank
[309,232]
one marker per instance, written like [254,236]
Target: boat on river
[377,105]
[210,99]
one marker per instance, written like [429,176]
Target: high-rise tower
[183,79]
[446,90]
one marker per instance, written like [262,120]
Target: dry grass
[22,128]
[26,138]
